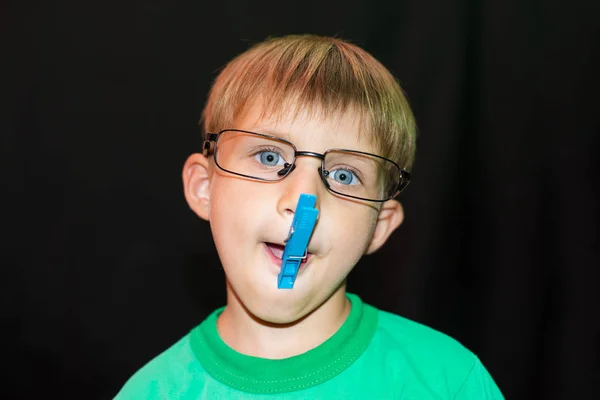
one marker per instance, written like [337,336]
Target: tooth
[277,252]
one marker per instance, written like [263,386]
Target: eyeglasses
[349,173]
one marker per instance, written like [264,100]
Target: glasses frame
[208,147]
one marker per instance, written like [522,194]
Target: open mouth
[277,251]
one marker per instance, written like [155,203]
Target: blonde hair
[315,74]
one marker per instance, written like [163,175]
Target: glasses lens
[361,175]
[253,155]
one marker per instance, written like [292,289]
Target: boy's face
[247,217]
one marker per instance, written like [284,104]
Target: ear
[391,215]
[196,184]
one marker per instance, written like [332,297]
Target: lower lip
[277,261]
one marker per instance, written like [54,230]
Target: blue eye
[344,177]
[270,158]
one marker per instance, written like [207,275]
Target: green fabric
[374,355]
[259,375]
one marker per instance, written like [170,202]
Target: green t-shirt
[374,355]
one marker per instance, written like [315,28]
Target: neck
[249,335]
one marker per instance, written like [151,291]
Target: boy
[319,116]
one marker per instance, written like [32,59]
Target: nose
[304,178]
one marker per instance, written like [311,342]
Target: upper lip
[310,250]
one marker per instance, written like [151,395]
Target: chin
[278,306]
[279,316]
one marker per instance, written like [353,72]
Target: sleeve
[138,389]
[479,385]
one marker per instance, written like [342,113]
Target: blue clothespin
[295,250]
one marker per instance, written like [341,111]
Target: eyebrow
[272,132]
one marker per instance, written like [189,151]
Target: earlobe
[389,218]
[196,184]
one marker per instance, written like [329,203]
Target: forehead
[309,129]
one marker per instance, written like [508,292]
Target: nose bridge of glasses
[310,154]
[289,167]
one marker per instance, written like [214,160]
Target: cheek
[228,214]
[352,231]
[237,208]
[230,197]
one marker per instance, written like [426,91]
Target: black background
[104,266]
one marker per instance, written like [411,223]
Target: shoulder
[431,358]
[421,342]
[167,372]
